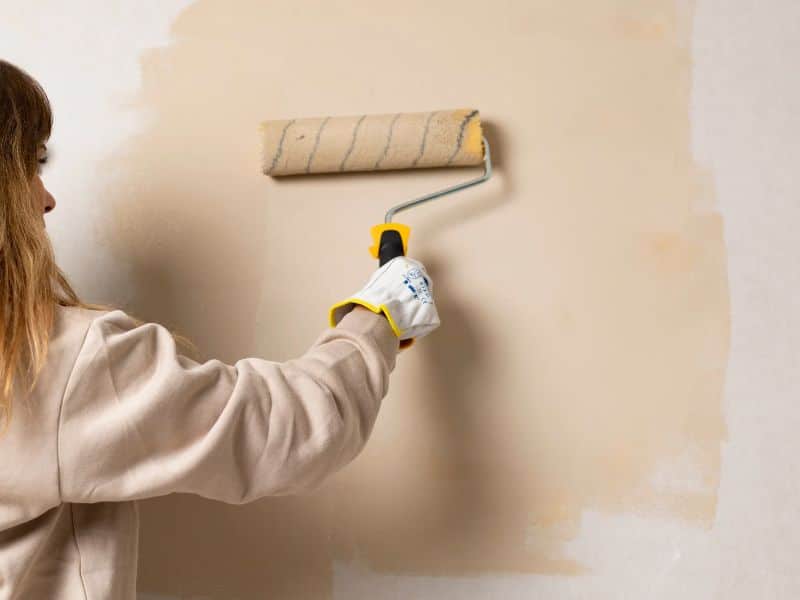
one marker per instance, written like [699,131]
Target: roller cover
[444,138]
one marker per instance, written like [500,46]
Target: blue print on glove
[415,281]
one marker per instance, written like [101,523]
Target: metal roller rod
[487,173]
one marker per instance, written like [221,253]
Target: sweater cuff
[375,325]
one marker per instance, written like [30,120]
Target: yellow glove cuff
[382,309]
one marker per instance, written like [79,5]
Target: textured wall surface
[606,410]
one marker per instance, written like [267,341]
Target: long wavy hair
[31,284]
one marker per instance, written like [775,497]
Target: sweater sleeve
[140,420]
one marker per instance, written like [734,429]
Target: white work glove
[403,291]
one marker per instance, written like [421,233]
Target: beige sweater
[118,415]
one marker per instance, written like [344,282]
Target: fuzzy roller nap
[448,138]
[445,138]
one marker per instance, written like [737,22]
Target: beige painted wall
[569,407]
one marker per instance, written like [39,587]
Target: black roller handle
[391,246]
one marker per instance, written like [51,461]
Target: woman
[100,410]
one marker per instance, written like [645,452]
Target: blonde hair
[31,284]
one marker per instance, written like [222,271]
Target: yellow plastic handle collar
[377,230]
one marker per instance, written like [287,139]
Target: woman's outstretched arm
[138,419]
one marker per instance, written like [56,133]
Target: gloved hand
[402,290]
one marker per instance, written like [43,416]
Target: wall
[564,433]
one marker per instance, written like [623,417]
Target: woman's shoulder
[81,318]
[83,314]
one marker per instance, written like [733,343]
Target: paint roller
[444,138]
